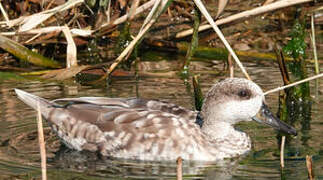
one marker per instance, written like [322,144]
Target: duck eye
[243,93]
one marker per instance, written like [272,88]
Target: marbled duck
[156,130]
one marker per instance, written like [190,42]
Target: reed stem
[309,165]
[317,68]
[179,172]
[282,147]
[41,143]
[294,84]
[208,17]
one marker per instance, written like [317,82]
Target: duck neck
[223,137]
[218,130]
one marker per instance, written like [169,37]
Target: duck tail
[33,101]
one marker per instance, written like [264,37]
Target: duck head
[236,99]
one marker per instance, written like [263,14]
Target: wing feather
[113,126]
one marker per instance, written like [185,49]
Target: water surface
[19,152]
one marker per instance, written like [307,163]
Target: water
[19,151]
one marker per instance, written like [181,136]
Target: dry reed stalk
[49,29]
[4,13]
[133,9]
[282,147]
[29,22]
[231,67]
[128,49]
[208,17]
[41,143]
[160,4]
[309,165]
[151,14]
[34,20]
[108,11]
[170,15]
[317,68]
[268,2]
[123,18]
[294,84]
[179,169]
[318,9]
[221,6]
[246,14]
[50,4]
[32,38]
[74,31]
[71,51]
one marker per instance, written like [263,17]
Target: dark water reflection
[19,153]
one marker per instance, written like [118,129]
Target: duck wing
[132,103]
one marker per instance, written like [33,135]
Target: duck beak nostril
[266,116]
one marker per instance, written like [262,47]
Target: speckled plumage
[155,130]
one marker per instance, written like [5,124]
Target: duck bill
[265,116]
